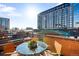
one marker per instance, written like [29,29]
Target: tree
[21,33]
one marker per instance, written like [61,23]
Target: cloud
[4,8]
[8,10]
[1,5]
[14,14]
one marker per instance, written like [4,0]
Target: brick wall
[70,47]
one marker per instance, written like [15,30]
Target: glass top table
[23,48]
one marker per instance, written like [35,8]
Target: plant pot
[33,46]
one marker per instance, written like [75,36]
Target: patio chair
[9,49]
[58,47]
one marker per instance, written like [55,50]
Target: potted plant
[32,45]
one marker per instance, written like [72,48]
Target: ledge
[62,37]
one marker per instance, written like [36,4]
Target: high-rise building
[59,17]
[4,24]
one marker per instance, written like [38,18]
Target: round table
[23,48]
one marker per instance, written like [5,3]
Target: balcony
[56,46]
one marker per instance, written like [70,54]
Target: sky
[23,15]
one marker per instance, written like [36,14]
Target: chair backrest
[58,47]
[9,47]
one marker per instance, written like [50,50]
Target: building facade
[59,17]
[4,24]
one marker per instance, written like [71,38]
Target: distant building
[59,17]
[4,24]
[14,30]
[29,29]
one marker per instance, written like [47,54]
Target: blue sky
[23,15]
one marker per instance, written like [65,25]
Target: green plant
[32,45]
[40,39]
